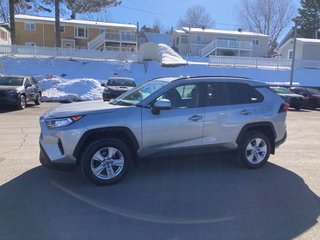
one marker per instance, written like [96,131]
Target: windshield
[121,82]
[314,91]
[134,97]
[11,81]
[282,90]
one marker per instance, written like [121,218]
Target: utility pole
[293,52]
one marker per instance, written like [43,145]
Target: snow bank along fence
[261,62]
[68,52]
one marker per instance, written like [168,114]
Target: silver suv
[165,114]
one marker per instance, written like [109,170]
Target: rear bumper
[281,141]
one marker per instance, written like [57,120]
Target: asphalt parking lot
[191,197]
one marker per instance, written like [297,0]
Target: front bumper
[8,99]
[46,162]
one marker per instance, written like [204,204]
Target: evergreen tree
[89,6]
[309,18]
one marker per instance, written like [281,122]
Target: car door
[176,128]
[29,89]
[229,106]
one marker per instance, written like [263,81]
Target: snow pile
[65,90]
[169,56]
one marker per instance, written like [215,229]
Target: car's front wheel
[254,150]
[21,102]
[105,162]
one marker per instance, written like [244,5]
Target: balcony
[121,37]
[227,45]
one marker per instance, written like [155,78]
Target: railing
[225,44]
[96,42]
[120,37]
[261,62]
[69,52]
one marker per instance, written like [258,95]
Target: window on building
[290,54]
[30,44]
[256,42]
[198,38]
[81,32]
[30,26]
[102,30]
[62,29]
[3,35]
[185,39]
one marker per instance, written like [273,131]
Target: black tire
[103,146]
[38,99]
[21,104]
[298,108]
[261,154]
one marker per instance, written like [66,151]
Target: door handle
[245,112]
[195,118]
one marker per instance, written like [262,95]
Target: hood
[17,88]
[81,108]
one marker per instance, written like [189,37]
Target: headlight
[62,122]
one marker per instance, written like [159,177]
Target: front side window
[228,93]
[135,96]
[81,32]
[30,26]
[184,96]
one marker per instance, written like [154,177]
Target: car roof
[217,78]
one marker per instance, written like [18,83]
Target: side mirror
[162,104]
[103,84]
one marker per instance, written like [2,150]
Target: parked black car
[116,86]
[295,100]
[18,90]
[311,96]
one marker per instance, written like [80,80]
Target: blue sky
[169,11]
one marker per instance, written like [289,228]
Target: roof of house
[74,21]
[216,31]
[159,38]
[309,40]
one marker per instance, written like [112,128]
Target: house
[204,42]
[306,49]
[5,38]
[156,38]
[40,31]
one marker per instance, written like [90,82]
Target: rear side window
[227,93]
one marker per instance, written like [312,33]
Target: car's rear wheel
[254,150]
[38,99]
[105,162]
[21,102]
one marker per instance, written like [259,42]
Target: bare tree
[103,16]
[268,17]
[197,17]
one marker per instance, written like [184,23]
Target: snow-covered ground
[80,79]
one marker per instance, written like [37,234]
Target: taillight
[284,107]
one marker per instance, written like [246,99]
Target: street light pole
[293,53]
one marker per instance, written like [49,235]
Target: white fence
[249,62]
[261,62]
[67,52]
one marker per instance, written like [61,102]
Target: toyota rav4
[165,114]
